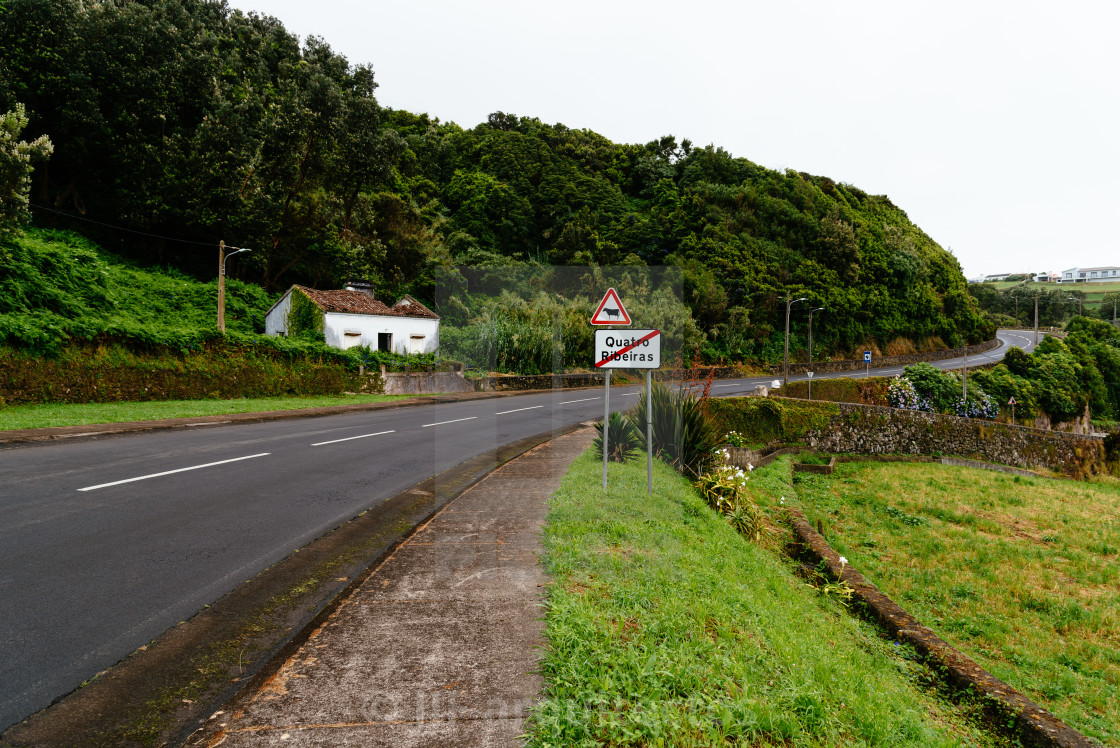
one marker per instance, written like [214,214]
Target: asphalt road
[108,542]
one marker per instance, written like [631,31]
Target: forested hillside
[209,124]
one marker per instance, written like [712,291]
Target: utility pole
[1036,319]
[964,379]
[222,257]
[785,376]
[811,332]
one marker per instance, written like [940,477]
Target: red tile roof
[356,302]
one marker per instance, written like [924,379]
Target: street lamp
[1080,305]
[222,257]
[811,332]
[785,376]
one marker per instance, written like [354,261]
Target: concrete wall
[400,383]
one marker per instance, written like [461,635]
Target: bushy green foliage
[764,420]
[209,118]
[61,287]
[940,388]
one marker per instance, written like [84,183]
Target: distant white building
[996,277]
[1091,275]
[353,317]
[1047,277]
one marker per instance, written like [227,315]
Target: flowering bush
[724,488]
[735,439]
[901,394]
[979,405]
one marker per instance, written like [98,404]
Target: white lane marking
[584,400]
[426,425]
[363,436]
[518,410]
[170,472]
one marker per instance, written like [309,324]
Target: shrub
[938,387]
[623,438]
[683,434]
[901,394]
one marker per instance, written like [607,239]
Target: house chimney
[361,286]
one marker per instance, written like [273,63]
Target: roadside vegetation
[77,414]
[1021,574]
[667,627]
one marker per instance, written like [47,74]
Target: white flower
[782,500]
[750,466]
[843,561]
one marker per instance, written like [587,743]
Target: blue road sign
[867,356]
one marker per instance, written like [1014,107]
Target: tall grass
[666,628]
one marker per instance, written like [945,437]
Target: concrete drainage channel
[164,691]
[1030,723]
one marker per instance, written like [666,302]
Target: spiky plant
[623,438]
[683,434]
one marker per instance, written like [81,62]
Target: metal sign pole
[649,432]
[606,422]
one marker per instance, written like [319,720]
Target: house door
[416,344]
[385,342]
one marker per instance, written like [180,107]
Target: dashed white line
[518,410]
[426,425]
[171,472]
[363,436]
[584,400]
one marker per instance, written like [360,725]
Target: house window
[385,342]
[1093,274]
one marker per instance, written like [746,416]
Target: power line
[106,225]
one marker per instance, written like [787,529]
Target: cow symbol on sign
[610,311]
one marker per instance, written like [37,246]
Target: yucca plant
[683,435]
[623,438]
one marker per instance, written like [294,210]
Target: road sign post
[810,375]
[867,363]
[629,349]
[1011,402]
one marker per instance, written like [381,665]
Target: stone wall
[824,367]
[869,429]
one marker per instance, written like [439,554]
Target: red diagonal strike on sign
[630,347]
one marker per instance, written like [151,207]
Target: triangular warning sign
[610,311]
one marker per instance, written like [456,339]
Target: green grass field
[667,628]
[1021,574]
[1094,292]
[80,414]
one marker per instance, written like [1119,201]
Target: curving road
[108,542]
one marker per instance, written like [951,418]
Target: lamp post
[1080,305]
[785,376]
[811,332]
[222,257]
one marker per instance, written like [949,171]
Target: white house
[1047,277]
[1091,275]
[353,317]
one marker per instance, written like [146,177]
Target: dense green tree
[15,168]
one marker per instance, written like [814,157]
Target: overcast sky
[994,125]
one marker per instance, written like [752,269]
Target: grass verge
[79,414]
[1020,574]
[665,627]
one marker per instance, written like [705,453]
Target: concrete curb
[1033,725]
